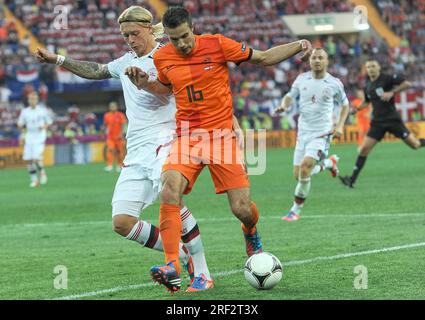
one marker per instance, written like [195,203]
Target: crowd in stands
[90,32]
[70,126]
[407,20]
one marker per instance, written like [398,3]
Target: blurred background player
[150,121]
[204,103]
[362,117]
[114,122]
[318,92]
[380,90]
[33,123]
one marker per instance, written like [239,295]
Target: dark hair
[176,16]
[371,59]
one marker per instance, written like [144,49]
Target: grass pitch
[380,225]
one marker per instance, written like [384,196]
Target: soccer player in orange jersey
[114,122]
[362,118]
[194,68]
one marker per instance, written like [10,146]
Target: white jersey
[34,120]
[149,115]
[317,99]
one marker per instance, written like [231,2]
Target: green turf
[68,223]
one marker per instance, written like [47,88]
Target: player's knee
[122,224]
[170,194]
[364,151]
[306,168]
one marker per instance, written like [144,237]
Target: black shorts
[397,128]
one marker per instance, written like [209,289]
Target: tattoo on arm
[87,69]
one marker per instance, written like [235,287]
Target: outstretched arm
[277,54]
[386,96]
[141,80]
[284,105]
[84,69]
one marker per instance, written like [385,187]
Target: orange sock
[255,217]
[110,157]
[170,226]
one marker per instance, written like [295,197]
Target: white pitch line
[232,272]
[227,219]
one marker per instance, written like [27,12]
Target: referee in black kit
[380,90]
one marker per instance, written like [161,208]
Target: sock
[328,163]
[317,169]
[301,192]
[110,157]
[255,215]
[148,235]
[297,205]
[191,238]
[357,168]
[40,168]
[422,141]
[32,170]
[170,227]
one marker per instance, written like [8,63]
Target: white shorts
[139,183]
[313,147]
[33,151]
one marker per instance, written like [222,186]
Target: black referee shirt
[382,111]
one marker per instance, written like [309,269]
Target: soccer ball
[263,271]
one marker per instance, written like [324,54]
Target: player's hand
[338,132]
[45,56]
[353,111]
[137,77]
[280,109]
[21,141]
[386,96]
[307,48]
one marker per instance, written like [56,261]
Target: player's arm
[284,105]
[280,53]
[387,96]
[84,69]
[362,106]
[21,128]
[141,80]
[345,109]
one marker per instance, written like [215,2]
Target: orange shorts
[222,156]
[115,144]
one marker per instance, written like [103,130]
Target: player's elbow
[407,84]
[260,57]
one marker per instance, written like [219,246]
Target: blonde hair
[143,17]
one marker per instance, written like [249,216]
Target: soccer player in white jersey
[151,121]
[318,93]
[33,123]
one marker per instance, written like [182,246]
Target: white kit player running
[151,122]
[318,92]
[33,123]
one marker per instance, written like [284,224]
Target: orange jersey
[114,122]
[200,81]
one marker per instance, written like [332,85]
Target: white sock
[317,169]
[148,235]
[32,170]
[191,238]
[301,192]
[328,163]
[303,188]
[40,168]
